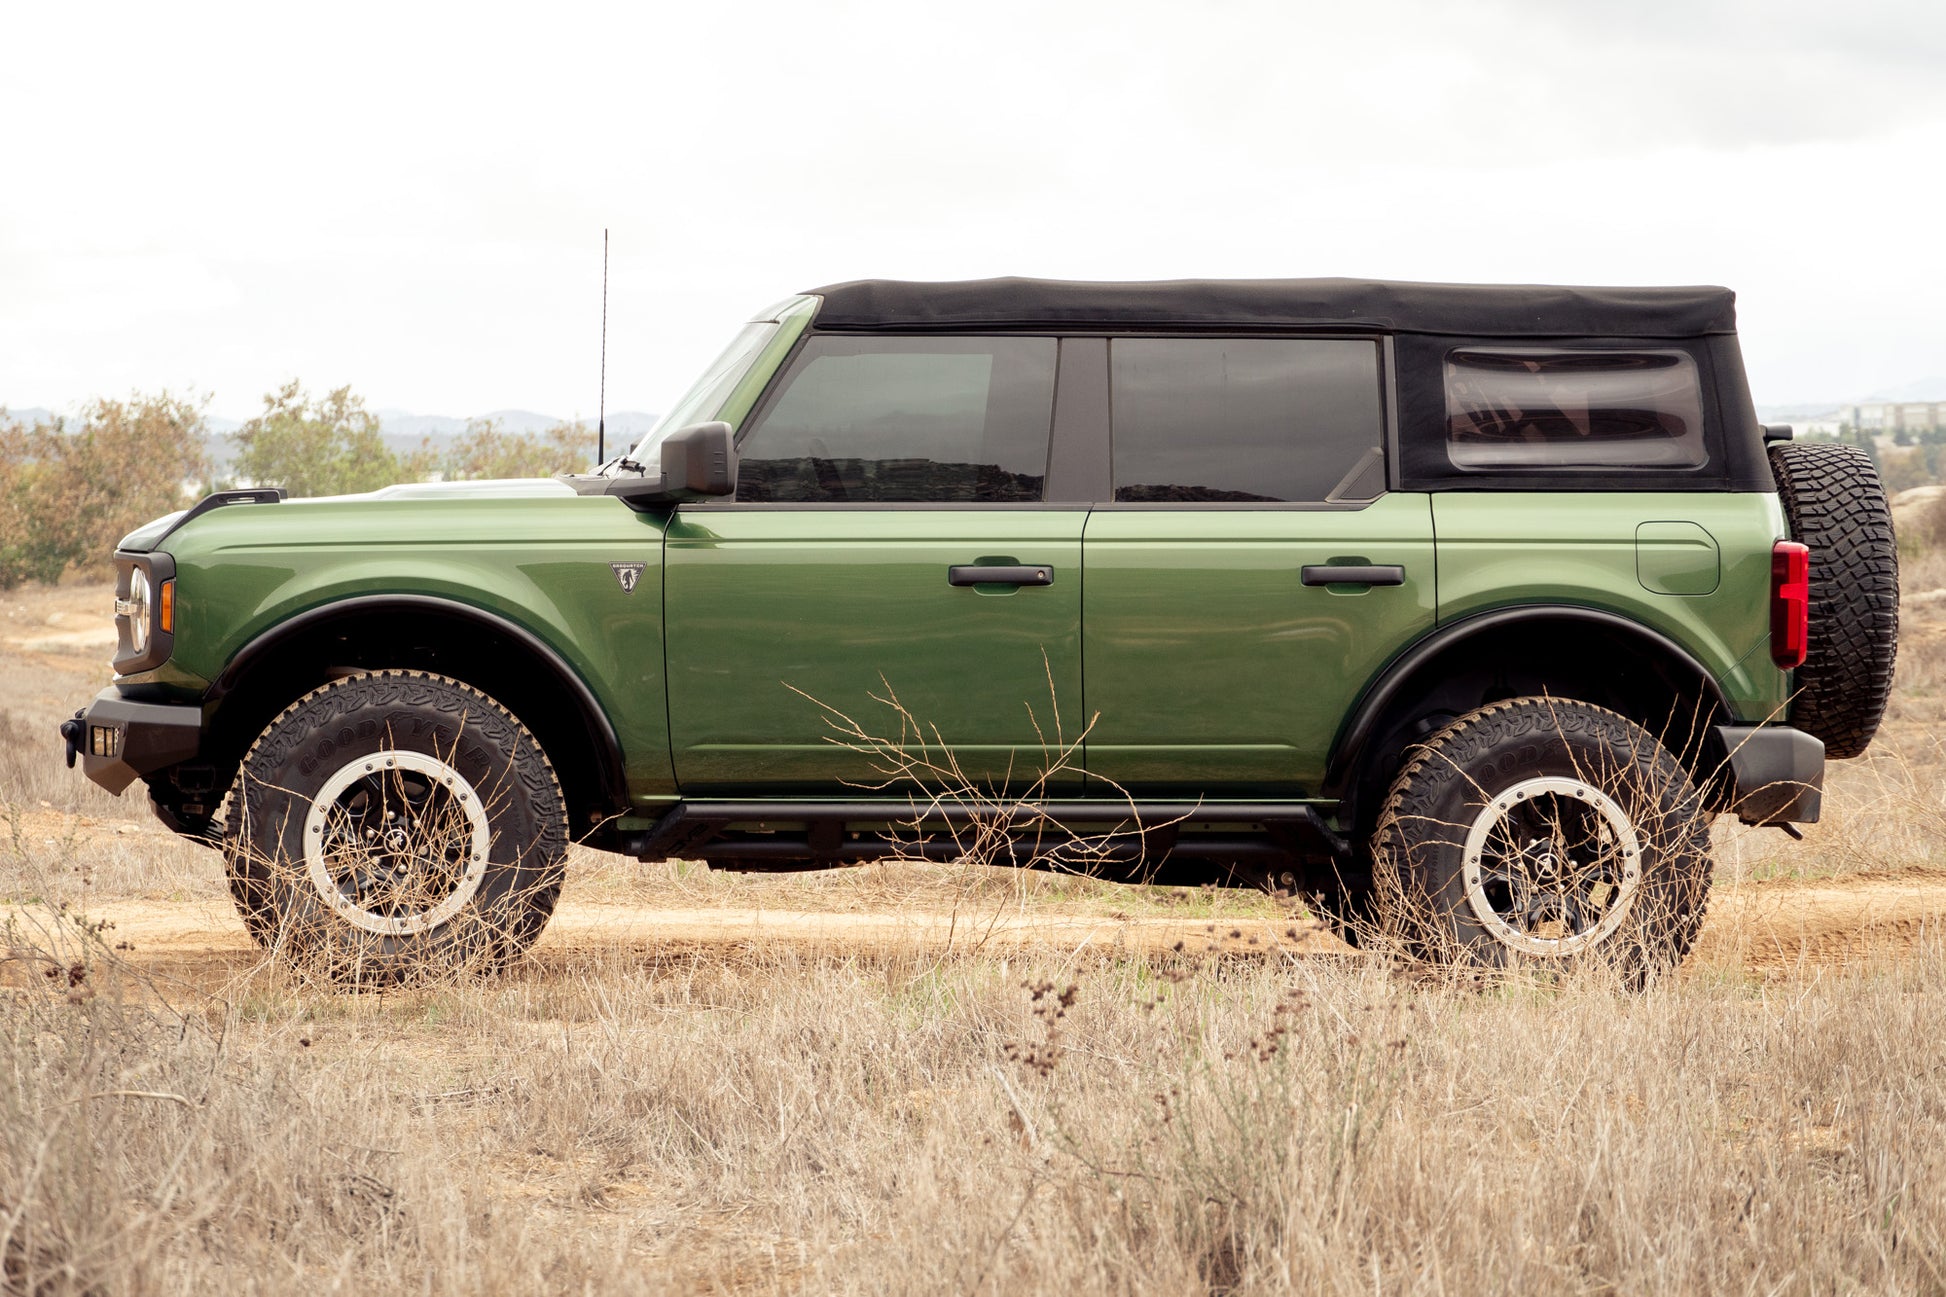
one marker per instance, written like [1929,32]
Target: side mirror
[700,460]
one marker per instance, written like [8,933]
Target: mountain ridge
[404,424]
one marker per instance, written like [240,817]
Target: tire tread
[1836,505]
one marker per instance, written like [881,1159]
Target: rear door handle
[1354,574]
[974,574]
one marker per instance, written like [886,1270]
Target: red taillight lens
[1790,603]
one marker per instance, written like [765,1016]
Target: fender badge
[628,574]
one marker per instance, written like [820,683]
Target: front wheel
[394,826]
[1540,829]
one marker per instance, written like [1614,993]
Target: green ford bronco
[1459,610]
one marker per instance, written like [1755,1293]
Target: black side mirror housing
[697,463]
[700,461]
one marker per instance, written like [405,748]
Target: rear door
[889,595]
[1253,573]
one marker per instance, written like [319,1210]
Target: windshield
[706,397]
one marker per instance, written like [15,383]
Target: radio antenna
[601,415]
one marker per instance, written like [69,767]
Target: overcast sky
[410,199]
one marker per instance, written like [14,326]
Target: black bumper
[120,741]
[1770,774]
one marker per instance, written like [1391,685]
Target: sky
[410,199]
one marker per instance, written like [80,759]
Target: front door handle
[1354,574]
[1024,574]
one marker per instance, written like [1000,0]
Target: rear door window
[1246,420]
[867,420]
[1514,408]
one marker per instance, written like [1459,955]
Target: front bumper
[119,741]
[1770,774]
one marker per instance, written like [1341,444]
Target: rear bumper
[1770,774]
[119,741]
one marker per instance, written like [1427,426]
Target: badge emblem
[628,574]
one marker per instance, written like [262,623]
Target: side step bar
[784,835]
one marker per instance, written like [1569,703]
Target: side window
[1246,419]
[861,420]
[1526,407]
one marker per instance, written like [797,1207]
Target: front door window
[905,420]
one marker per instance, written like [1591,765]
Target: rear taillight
[1790,603]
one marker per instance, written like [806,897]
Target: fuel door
[1676,558]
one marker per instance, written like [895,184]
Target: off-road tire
[514,810]
[1452,783]
[1836,505]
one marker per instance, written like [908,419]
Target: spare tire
[1836,505]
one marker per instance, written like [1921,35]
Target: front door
[888,605]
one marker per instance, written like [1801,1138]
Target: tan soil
[1791,923]
[1765,929]
[58,619]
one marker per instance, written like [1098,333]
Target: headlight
[145,611]
[136,609]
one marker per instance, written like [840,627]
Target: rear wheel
[1542,830]
[394,826]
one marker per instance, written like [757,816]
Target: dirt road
[1768,929]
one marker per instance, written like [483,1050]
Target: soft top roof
[1490,310]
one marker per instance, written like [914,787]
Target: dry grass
[819,1121]
[792,1116]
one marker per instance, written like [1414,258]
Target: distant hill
[403,430]
[1820,412]
[33,414]
[1926,389]
[404,423]
[1815,412]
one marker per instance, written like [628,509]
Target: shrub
[67,495]
[328,446]
[487,452]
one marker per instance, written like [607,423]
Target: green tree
[484,451]
[330,446]
[67,495]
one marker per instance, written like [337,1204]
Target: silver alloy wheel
[1552,866]
[396,842]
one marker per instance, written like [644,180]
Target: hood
[150,534]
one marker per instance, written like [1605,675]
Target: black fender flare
[606,746]
[1347,753]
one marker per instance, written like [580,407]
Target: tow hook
[72,732]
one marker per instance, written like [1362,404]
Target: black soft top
[1472,310]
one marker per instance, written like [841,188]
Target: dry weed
[777,1117]
[835,1123]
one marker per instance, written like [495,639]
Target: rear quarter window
[1525,408]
